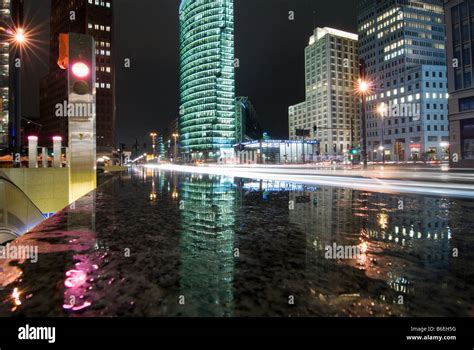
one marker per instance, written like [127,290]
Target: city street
[157,243]
[433,180]
[231,167]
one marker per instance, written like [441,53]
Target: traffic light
[315,129]
[354,151]
[82,137]
[81,71]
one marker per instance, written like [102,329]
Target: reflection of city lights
[16,297]
[153,196]
[75,278]
[382,220]
[363,247]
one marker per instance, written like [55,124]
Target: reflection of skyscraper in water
[325,215]
[207,240]
[417,223]
[415,230]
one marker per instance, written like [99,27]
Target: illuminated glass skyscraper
[207,80]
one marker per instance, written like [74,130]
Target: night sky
[269,46]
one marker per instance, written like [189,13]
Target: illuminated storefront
[277,152]
[207,82]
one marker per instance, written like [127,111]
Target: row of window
[100,3]
[99,27]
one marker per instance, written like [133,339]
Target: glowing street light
[20,36]
[363,87]
[382,109]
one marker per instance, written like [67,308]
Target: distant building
[170,140]
[460,53]
[93,18]
[276,152]
[247,121]
[207,79]
[330,113]
[402,47]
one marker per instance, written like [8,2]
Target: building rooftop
[321,32]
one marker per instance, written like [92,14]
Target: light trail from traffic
[339,178]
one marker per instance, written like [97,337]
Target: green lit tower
[207,79]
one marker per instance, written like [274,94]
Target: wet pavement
[153,243]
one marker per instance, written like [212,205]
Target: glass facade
[5,17]
[402,44]
[207,79]
[460,55]
[462,17]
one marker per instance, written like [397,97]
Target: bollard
[32,151]
[44,153]
[57,147]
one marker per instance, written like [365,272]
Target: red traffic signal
[80,69]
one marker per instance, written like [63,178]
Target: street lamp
[153,136]
[18,39]
[20,36]
[363,88]
[175,136]
[382,110]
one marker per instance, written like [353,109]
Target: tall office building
[247,121]
[10,16]
[95,18]
[330,112]
[401,44]
[207,80]
[460,53]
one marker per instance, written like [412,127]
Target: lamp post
[382,109]
[18,39]
[363,88]
[153,136]
[175,136]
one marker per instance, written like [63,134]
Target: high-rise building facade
[401,45]
[247,121]
[330,113]
[460,55]
[207,79]
[5,17]
[95,18]
[10,17]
